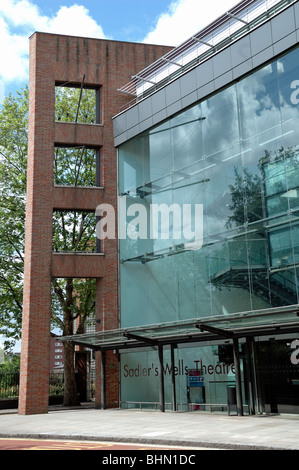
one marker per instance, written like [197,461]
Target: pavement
[189,429]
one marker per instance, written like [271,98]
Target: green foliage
[75,166]
[72,300]
[13,165]
[11,365]
[278,174]
[245,193]
[66,105]
[74,231]
[71,231]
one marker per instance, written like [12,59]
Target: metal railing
[231,26]
[9,384]
[154,405]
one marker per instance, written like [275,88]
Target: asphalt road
[49,444]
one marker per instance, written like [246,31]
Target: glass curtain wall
[236,155]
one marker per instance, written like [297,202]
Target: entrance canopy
[234,326]
[229,327]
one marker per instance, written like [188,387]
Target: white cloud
[21,18]
[185,18]
[14,56]
[21,13]
[2,92]
[75,21]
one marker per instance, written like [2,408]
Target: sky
[168,22]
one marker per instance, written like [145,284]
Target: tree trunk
[71,397]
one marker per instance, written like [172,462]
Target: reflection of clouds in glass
[232,129]
[258,97]
[242,123]
[220,129]
[289,111]
[249,102]
[266,102]
[255,103]
[280,67]
[177,145]
[261,124]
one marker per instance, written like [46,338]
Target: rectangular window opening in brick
[74,232]
[76,166]
[82,307]
[77,103]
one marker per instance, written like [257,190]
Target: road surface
[49,444]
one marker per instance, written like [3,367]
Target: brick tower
[104,66]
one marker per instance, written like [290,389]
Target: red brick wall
[61,59]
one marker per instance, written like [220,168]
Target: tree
[73,300]
[260,193]
[11,365]
[13,166]
[245,193]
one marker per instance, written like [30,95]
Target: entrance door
[277,377]
[81,363]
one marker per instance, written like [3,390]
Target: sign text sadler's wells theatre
[180,369]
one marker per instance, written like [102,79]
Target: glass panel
[236,154]
[224,207]
[133,170]
[277,377]
[185,285]
[162,290]
[259,105]
[229,277]
[139,379]
[223,160]
[220,126]
[202,377]
[284,287]
[281,181]
[187,139]
[287,68]
[160,150]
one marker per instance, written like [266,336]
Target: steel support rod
[161,379]
[249,348]
[173,378]
[103,381]
[98,106]
[238,377]
[79,166]
[82,86]
[98,184]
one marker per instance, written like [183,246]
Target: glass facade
[236,156]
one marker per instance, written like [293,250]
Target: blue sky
[120,19]
[167,22]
